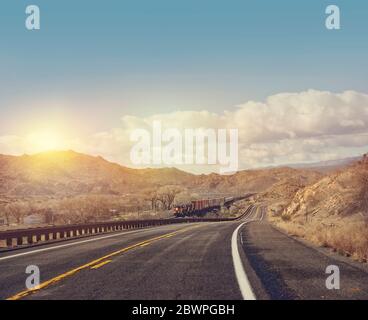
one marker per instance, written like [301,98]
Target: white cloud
[286,127]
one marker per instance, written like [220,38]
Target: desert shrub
[349,238]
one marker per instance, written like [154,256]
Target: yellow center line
[101,264]
[146,244]
[62,276]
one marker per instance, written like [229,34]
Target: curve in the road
[244,285]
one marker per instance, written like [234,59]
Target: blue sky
[143,57]
[94,62]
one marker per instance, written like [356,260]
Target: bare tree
[167,194]
[87,208]
[17,210]
[152,197]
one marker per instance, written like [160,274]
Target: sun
[45,140]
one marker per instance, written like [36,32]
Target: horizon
[298,165]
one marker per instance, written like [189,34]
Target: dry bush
[349,237]
[292,229]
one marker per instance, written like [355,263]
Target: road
[191,261]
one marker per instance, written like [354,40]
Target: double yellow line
[95,264]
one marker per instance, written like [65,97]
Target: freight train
[197,207]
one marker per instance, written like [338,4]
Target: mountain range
[68,173]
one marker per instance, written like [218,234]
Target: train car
[201,206]
[198,206]
[183,210]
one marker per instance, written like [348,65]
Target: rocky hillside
[338,195]
[332,212]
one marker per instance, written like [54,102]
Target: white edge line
[241,277]
[69,244]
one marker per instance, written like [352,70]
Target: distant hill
[326,166]
[68,173]
[164,176]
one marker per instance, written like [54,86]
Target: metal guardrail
[31,236]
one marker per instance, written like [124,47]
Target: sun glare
[42,141]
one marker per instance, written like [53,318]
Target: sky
[96,67]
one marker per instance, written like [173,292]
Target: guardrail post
[20,241]
[9,242]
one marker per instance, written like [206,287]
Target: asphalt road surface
[247,259]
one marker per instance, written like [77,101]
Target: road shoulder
[281,267]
